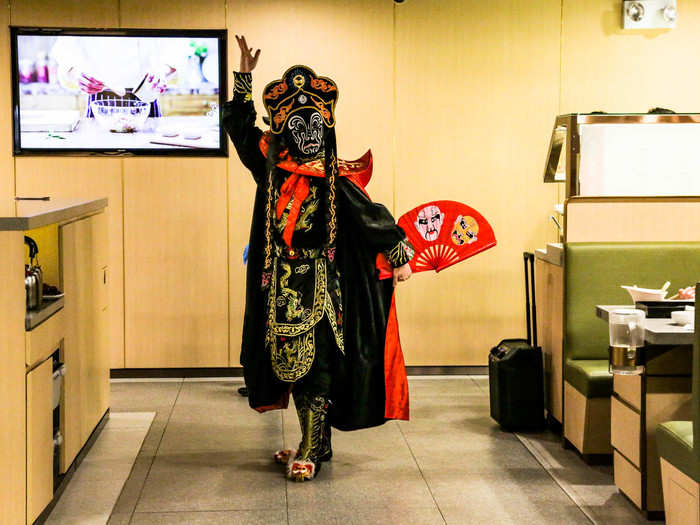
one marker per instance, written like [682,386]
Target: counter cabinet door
[86,352]
[39,439]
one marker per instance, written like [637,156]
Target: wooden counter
[549,298]
[35,214]
[639,403]
[76,334]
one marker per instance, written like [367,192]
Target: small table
[640,402]
[656,331]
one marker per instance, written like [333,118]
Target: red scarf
[296,187]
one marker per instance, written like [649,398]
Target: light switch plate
[655,14]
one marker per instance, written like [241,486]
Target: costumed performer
[318,322]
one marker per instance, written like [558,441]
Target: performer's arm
[238,119]
[238,115]
[376,223]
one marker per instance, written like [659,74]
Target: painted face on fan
[304,134]
[429,222]
[465,230]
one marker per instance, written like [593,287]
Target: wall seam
[561,54]
[228,220]
[123,188]
[560,195]
[394,145]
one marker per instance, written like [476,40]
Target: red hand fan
[443,233]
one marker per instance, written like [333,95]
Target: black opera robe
[369,383]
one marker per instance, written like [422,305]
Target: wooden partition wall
[632,219]
[475,95]
[456,99]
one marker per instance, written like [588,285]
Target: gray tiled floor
[207,460]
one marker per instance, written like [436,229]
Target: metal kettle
[33,277]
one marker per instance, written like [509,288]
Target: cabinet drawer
[629,388]
[39,439]
[625,430]
[628,478]
[43,341]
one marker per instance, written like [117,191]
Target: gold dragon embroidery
[295,309]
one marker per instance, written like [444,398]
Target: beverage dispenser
[626,338]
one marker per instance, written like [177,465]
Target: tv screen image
[118,91]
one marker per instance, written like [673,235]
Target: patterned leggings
[311,397]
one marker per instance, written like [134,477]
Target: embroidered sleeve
[400,254]
[242,86]
[238,119]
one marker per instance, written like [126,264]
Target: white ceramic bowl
[683,317]
[645,294]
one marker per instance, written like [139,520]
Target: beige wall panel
[607,68]
[79,177]
[176,295]
[241,193]
[476,93]
[173,14]
[654,220]
[7,167]
[70,13]
[350,42]
[7,184]
[12,382]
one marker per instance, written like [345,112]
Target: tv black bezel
[18,150]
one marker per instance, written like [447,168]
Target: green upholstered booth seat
[589,376]
[594,273]
[674,440]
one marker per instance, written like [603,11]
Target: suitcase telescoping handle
[530,306]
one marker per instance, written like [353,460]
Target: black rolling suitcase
[516,384]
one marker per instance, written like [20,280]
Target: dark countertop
[35,214]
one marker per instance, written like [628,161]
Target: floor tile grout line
[421,471]
[155,452]
[540,457]
[481,388]
[207,511]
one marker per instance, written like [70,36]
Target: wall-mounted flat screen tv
[118,91]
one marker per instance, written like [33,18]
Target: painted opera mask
[465,230]
[429,222]
[303,134]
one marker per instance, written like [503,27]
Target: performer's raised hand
[402,273]
[248,59]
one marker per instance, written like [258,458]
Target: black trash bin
[516,382]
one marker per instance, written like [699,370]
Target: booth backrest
[594,273]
